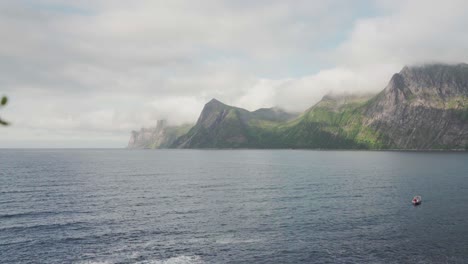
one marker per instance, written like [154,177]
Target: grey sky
[86,73]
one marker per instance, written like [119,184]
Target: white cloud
[91,71]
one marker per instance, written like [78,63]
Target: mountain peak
[215,101]
[215,106]
[429,81]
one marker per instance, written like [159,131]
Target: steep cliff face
[423,107]
[160,136]
[219,125]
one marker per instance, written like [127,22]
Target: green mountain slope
[224,126]
[335,122]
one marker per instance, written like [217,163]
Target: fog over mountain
[85,73]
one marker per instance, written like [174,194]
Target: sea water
[232,206]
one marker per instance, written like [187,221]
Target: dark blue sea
[232,206]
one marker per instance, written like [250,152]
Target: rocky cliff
[160,136]
[423,107]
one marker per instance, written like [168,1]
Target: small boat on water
[416,200]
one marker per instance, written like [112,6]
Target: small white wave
[94,262]
[177,260]
[174,260]
[223,241]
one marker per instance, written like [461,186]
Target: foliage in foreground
[3,102]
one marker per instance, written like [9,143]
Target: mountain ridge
[225,126]
[422,107]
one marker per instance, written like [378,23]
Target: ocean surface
[232,206]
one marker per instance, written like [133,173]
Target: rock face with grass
[423,107]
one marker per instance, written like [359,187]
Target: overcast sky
[86,73]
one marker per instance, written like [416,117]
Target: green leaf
[4,100]
[3,123]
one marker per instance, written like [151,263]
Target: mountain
[422,107]
[224,126]
[336,122]
[160,136]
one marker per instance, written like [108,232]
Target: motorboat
[417,200]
